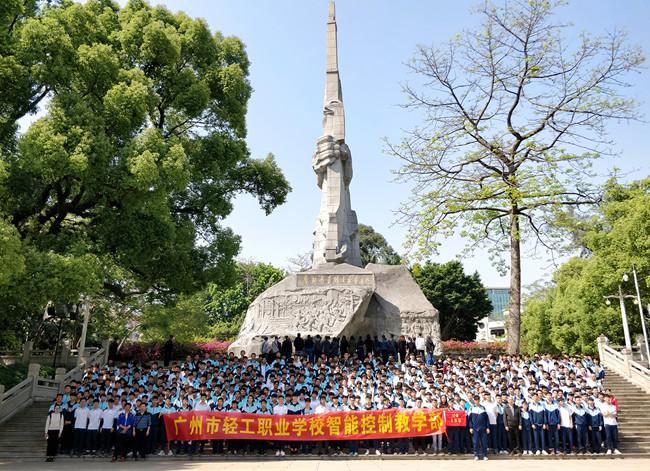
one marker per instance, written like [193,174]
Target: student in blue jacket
[124,433]
[595,426]
[526,427]
[581,420]
[553,423]
[539,424]
[479,429]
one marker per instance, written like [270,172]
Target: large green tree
[514,115]
[571,313]
[460,298]
[120,189]
[375,249]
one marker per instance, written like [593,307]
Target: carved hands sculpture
[328,151]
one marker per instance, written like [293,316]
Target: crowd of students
[519,405]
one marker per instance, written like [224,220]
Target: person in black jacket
[309,348]
[168,350]
[410,346]
[68,427]
[318,346]
[512,416]
[343,344]
[299,345]
[369,345]
[361,348]
[327,346]
[401,348]
[286,348]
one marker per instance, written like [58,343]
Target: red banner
[354,425]
[455,418]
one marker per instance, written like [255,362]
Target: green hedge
[11,375]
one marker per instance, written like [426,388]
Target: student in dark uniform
[526,428]
[141,430]
[595,421]
[581,420]
[538,418]
[294,408]
[553,423]
[67,435]
[479,428]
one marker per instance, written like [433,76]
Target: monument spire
[334,123]
[336,237]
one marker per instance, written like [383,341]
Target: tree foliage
[514,115]
[461,299]
[120,190]
[252,279]
[375,249]
[569,315]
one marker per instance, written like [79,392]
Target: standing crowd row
[517,405]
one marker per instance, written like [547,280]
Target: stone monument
[337,296]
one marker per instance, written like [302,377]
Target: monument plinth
[337,297]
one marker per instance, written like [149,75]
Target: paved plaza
[620,464]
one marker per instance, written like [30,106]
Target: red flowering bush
[145,352]
[460,346]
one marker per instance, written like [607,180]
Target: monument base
[338,300]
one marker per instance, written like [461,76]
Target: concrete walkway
[620,464]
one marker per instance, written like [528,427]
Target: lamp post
[621,299]
[638,301]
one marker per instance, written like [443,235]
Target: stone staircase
[23,435]
[633,414]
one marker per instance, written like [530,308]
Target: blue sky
[285,41]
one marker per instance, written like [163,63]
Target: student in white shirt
[92,431]
[108,428]
[80,426]
[280,409]
[611,426]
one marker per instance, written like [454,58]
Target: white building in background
[493,327]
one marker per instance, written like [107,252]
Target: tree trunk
[514,306]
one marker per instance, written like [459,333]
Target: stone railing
[621,362]
[35,388]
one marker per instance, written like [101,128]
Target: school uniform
[553,422]
[526,426]
[500,440]
[92,433]
[566,428]
[581,421]
[538,419]
[106,431]
[67,436]
[454,433]
[156,425]
[611,427]
[80,427]
[478,421]
[595,429]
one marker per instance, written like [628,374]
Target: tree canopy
[460,298]
[571,313]
[120,189]
[375,249]
[514,114]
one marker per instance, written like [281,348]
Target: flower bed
[459,347]
[153,351]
